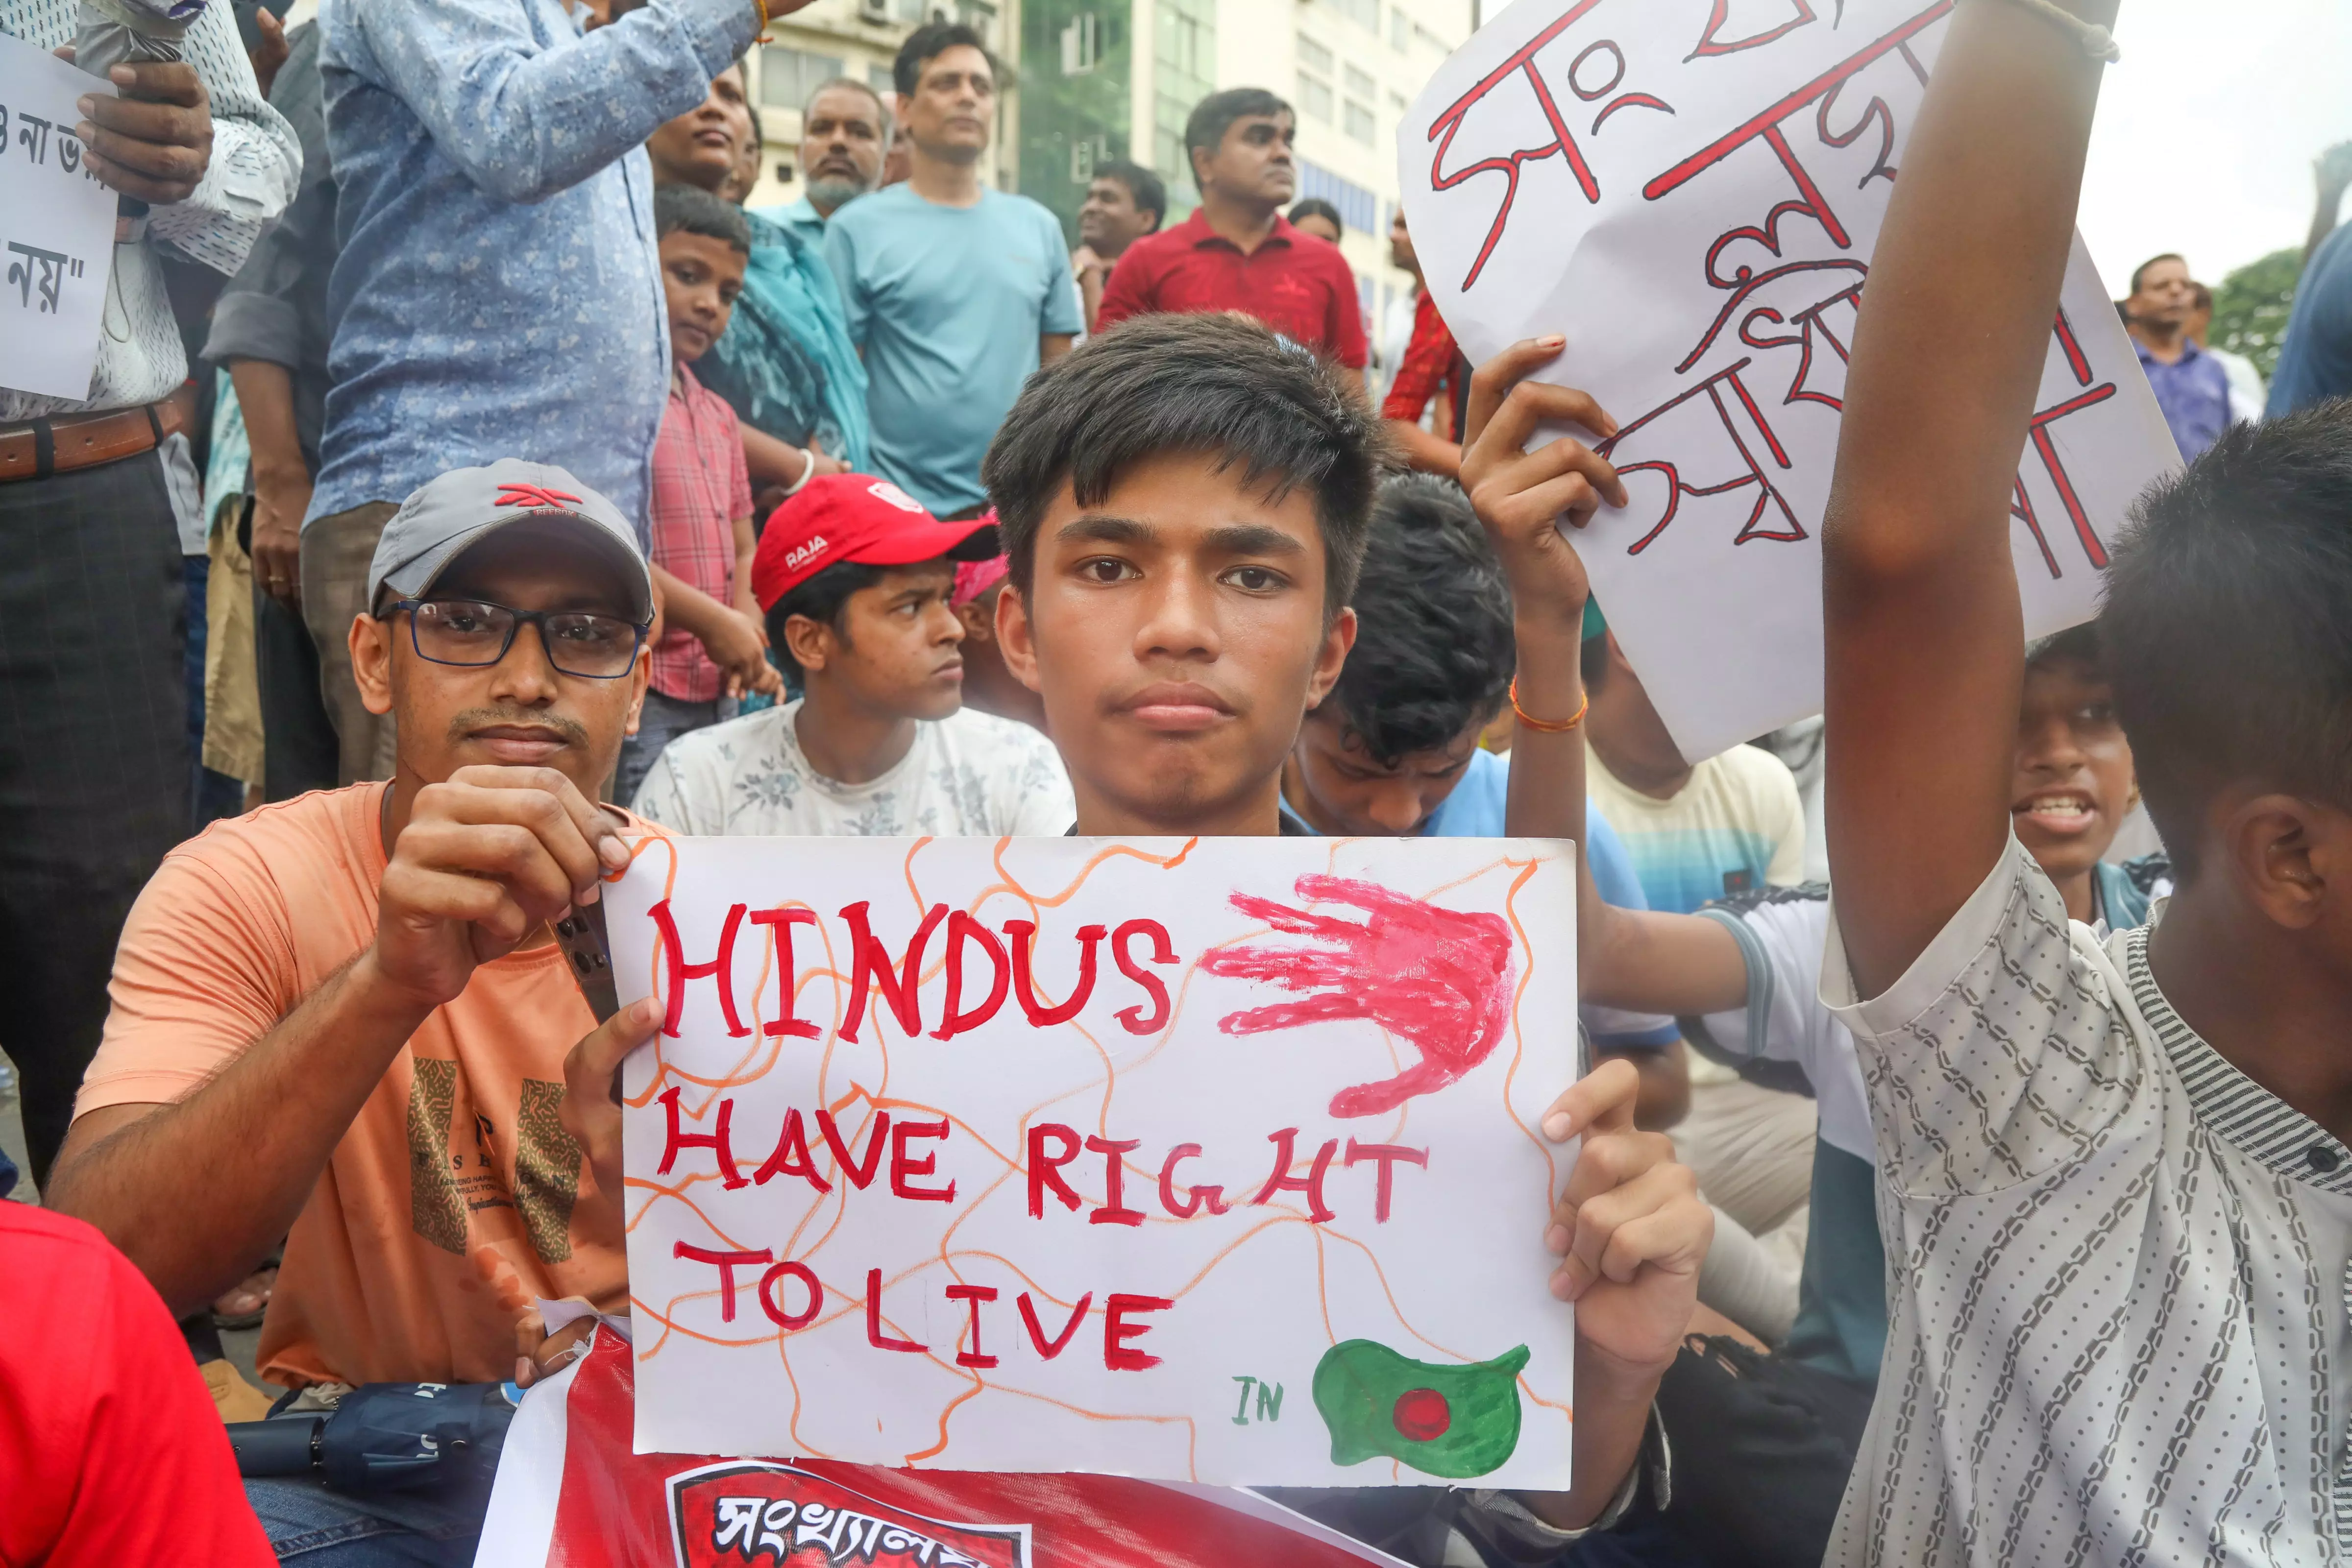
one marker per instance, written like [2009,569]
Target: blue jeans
[308,1525]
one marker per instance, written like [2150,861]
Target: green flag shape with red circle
[1442,1419]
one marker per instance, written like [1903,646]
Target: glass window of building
[788,75]
[1314,98]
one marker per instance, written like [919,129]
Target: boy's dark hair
[1434,649]
[2141,270]
[1219,385]
[2079,642]
[1145,188]
[928,43]
[1316,207]
[1214,115]
[2228,643]
[694,211]
[822,599]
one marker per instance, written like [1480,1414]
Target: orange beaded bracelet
[1542,726]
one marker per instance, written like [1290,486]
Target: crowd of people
[529,487]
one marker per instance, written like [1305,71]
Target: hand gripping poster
[1207,1161]
[1689,191]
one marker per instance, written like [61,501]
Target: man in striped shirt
[2118,1196]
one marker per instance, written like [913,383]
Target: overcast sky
[2207,129]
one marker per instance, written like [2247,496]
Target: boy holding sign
[1181,590]
[1183,505]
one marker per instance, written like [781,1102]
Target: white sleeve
[1781,940]
[662,799]
[2004,1050]
[255,162]
[1042,804]
[1784,808]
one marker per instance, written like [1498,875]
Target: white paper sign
[57,227]
[1213,1161]
[1690,192]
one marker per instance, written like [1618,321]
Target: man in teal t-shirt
[954,292]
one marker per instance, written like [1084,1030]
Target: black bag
[1762,1448]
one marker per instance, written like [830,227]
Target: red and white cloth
[571,1494]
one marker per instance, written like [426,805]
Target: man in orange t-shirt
[344,1014]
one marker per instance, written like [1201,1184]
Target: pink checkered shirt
[700,487]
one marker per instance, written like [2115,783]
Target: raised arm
[524,121]
[1634,959]
[1925,638]
[255,160]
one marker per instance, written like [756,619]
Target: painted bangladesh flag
[1442,1419]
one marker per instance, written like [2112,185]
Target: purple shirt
[2194,394]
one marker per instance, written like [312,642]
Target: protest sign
[57,227]
[1207,1161]
[1690,192]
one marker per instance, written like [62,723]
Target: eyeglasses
[472,634]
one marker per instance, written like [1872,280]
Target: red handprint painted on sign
[1437,979]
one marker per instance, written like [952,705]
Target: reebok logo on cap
[839,518]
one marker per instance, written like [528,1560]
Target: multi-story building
[1116,79]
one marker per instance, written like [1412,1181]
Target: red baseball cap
[856,517]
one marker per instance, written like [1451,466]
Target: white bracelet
[807,473]
[2097,42]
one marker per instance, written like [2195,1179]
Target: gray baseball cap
[447,515]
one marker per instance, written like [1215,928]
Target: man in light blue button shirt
[499,290]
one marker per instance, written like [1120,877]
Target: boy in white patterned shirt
[2117,1198]
[855,578]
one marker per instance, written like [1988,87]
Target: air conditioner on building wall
[873,10]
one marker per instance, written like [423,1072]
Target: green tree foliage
[2250,307]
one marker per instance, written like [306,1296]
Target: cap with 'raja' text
[837,518]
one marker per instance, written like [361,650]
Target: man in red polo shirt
[1237,252]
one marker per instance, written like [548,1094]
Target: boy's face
[701,277]
[897,651]
[2073,781]
[1350,795]
[1177,635]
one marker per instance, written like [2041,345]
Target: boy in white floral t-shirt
[854,579]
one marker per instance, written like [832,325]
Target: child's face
[1351,795]
[898,650]
[1176,632]
[2073,781]
[701,277]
